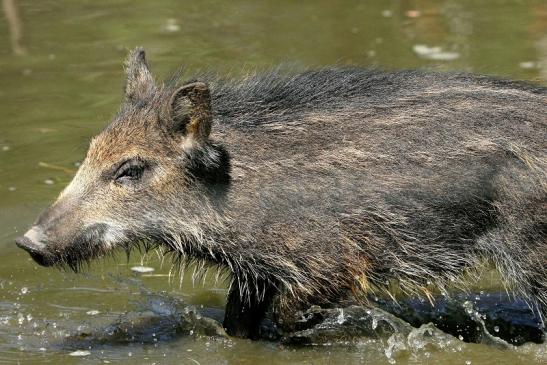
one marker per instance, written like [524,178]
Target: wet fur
[347,179]
[326,185]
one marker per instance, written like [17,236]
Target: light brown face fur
[103,197]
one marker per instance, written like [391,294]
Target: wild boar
[315,187]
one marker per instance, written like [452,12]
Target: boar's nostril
[27,244]
[35,249]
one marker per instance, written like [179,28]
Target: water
[61,80]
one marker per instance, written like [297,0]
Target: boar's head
[152,175]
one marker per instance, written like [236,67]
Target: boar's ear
[189,112]
[139,82]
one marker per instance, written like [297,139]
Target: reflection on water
[61,81]
[15,26]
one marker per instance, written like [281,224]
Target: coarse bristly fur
[316,187]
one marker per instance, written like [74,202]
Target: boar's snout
[32,242]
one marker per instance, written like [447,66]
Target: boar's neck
[211,166]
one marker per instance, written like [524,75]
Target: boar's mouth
[36,252]
[71,253]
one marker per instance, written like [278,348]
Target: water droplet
[460,337]
[12,188]
[142,269]
[413,13]
[49,182]
[6,148]
[92,312]
[527,65]
[341,319]
[467,362]
[434,53]
[374,323]
[172,26]
[80,353]
[496,329]
[24,290]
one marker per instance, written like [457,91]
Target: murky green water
[61,80]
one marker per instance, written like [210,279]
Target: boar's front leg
[244,314]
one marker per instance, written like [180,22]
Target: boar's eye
[130,170]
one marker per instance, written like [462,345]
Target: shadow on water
[475,317]
[160,318]
[492,319]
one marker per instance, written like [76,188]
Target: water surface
[61,81]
